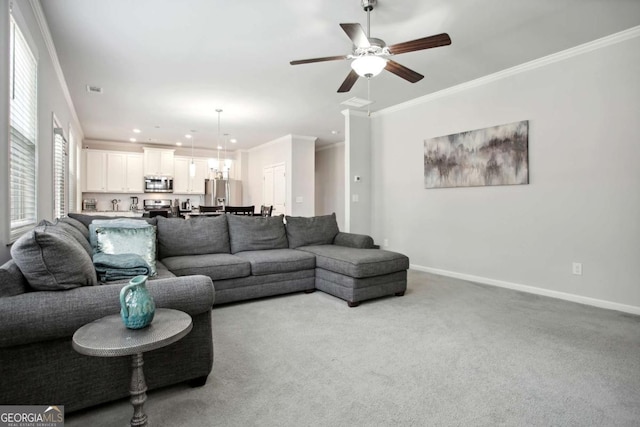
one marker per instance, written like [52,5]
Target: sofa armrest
[352,240]
[47,315]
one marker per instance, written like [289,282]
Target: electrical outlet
[576,268]
[386,243]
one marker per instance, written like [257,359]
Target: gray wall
[330,182]
[51,100]
[583,200]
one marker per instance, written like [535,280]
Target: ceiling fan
[370,55]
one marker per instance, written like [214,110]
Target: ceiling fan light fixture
[368,66]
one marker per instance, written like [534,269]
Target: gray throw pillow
[51,259]
[12,282]
[74,232]
[249,233]
[194,236]
[77,224]
[139,241]
[307,231]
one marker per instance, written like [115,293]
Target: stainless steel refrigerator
[222,192]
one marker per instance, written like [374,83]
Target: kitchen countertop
[115,213]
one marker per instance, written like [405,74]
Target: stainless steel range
[155,207]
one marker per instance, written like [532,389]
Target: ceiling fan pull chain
[369,96]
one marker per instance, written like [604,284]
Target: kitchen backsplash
[104,199]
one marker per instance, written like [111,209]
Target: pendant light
[192,165]
[218,173]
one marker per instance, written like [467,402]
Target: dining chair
[266,210]
[210,208]
[240,210]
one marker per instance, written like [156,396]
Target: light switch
[299,199]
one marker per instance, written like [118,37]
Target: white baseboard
[532,290]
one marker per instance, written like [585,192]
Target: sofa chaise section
[347,266]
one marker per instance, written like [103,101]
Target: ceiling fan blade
[348,82]
[326,58]
[420,44]
[402,71]
[356,34]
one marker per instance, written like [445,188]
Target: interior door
[279,190]
[274,188]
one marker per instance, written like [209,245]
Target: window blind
[59,173]
[73,167]
[22,142]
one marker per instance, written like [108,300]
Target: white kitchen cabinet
[124,173]
[183,183]
[95,171]
[135,173]
[113,172]
[158,162]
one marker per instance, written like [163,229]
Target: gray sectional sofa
[47,291]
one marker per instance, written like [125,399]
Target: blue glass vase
[136,305]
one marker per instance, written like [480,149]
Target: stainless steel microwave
[158,184]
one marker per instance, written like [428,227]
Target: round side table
[108,337]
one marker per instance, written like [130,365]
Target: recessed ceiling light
[188,136]
[132,139]
[136,130]
[233,140]
[178,143]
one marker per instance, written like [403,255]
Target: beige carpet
[448,353]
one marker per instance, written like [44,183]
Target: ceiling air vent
[356,102]
[94,89]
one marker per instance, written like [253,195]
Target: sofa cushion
[308,231]
[87,219]
[12,282]
[51,259]
[357,262]
[277,261]
[125,240]
[216,266]
[194,236]
[249,233]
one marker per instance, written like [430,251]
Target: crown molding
[51,48]
[329,146]
[527,66]
[348,112]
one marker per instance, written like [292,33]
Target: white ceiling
[166,65]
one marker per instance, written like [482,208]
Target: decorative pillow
[88,219]
[51,259]
[139,241]
[77,224]
[12,281]
[194,236]
[113,223]
[317,230]
[248,233]
[74,232]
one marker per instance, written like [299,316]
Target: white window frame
[60,170]
[23,125]
[74,168]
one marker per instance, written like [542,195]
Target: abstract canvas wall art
[497,155]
